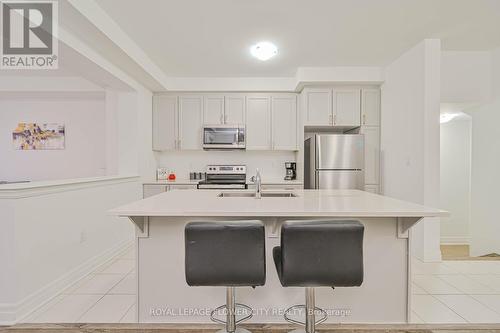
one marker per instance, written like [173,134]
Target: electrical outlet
[161,174]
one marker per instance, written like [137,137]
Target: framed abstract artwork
[36,136]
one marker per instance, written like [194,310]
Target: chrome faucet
[258,185]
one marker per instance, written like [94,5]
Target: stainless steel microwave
[224,137]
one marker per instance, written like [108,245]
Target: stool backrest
[322,253]
[226,253]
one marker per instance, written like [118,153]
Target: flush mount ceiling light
[264,50]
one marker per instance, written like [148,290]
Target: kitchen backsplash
[270,163]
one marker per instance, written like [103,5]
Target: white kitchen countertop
[195,182]
[278,182]
[172,182]
[310,203]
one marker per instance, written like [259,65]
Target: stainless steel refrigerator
[334,161]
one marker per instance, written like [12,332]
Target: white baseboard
[455,240]
[15,313]
[429,256]
[7,314]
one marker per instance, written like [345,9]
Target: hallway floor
[446,292]
[108,295]
[456,292]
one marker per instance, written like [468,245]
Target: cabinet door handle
[364,119]
[221,118]
[333,122]
[330,119]
[179,144]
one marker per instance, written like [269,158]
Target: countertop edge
[195,182]
[287,214]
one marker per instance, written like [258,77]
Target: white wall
[466,77]
[485,220]
[54,236]
[270,163]
[84,120]
[455,179]
[410,139]
[121,113]
[485,225]
[146,160]
[58,235]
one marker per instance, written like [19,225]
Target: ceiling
[200,38]
[71,64]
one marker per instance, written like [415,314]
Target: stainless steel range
[224,177]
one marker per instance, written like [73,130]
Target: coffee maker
[290,170]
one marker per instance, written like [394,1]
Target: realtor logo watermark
[29,35]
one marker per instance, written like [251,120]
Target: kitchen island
[164,296]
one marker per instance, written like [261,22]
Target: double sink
[252,195]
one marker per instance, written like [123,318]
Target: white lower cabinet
[282,187]
[182,187]
[278,187]
[150,190]
[372,189]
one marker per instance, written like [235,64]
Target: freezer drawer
[337,151]
[340,179]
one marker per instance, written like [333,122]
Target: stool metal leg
[310,309]
[310,318]
[231,310]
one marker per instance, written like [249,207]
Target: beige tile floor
[446,292]
[108,295]
[456,292]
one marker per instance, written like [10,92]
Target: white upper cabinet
[190,122]
[284,122]
[318,104]
[258,122]
[213,112]
[332,107]
[370,107]
[372,154]
[234,109]
[165,120]
[347,107]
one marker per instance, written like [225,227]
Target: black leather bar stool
[230,254]
[319,253]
